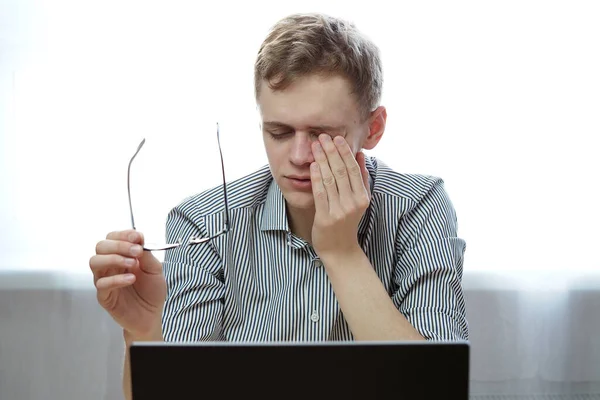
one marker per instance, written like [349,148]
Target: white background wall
[501,99]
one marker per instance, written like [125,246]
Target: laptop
[291,370]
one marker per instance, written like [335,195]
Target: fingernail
[130,262]
[132,237]
[129,278]
[136,250]
[317,147]
[339,140]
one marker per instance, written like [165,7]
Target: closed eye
[279,135]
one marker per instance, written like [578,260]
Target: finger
[362,162]
[327,178]
[319,192]
[99,264]
[354,178]
[123,248]
[129,235]
[149,264]
[108,283]
[336,163]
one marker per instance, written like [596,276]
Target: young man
[324,243]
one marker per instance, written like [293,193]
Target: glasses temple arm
[224,181]
[128,181]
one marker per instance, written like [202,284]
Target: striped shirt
[260,282]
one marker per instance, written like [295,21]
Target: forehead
[309,101]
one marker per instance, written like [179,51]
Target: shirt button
[314,317]
[318,263]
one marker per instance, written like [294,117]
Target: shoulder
[413,188]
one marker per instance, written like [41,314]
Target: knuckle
[351,209]
[117,260]
[337,217]
[124,247]
[354,169]
[340,171]
[321,195]
[121,235]
[130,236]
[329,180]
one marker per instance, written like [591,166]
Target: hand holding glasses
[193,240]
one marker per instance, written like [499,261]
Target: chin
[299,200]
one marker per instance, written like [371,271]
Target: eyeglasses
[194,239]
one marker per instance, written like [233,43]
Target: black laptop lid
[329,370]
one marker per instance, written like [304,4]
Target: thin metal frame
[194,239]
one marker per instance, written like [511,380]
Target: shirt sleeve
[193,308]
[429,268]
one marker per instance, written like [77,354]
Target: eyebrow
[326,128]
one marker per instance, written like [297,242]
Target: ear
[377,121]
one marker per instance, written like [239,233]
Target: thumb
[147,262]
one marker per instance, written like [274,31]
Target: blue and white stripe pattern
[259,282]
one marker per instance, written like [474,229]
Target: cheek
[357,140]
[275,154]
[355,146]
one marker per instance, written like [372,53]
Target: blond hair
[304,44]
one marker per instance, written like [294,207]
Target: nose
[301,152]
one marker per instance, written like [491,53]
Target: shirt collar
[274,216]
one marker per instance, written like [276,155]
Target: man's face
[293,118]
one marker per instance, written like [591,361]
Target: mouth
[300,182]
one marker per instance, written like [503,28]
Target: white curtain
[499,99]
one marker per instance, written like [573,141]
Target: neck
[301,222]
